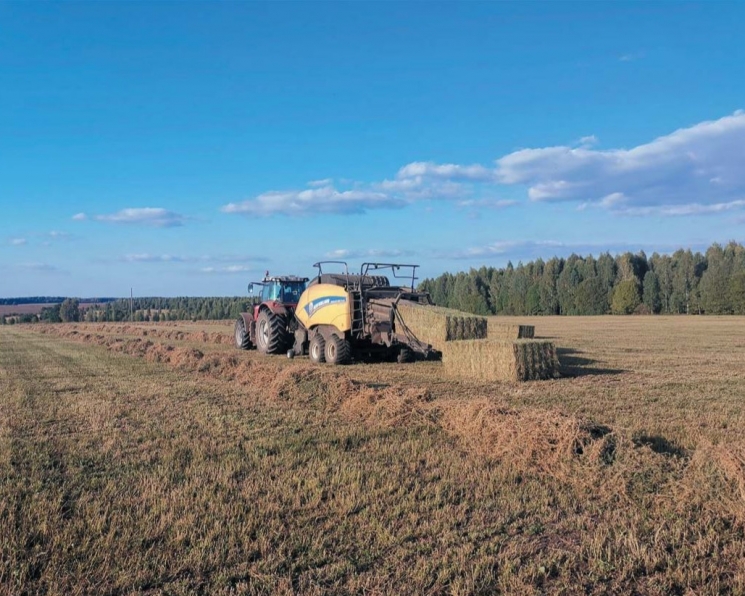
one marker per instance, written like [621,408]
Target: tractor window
[291,292]
[270,292]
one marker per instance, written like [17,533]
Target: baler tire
[271,333]
[242,341]
[317,349]
[338,350]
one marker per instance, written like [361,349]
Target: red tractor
[271,325]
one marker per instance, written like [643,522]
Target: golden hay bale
[507,332]
[436,325]
[492,360]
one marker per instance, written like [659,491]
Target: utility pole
[131,311]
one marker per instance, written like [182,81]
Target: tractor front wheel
[242,341]
[338,350]
[271,333]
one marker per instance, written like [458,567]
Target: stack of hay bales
[494,360]
[506,332]
[438,326]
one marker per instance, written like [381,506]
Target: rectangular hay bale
[437,325]
[508,332]
[494,360]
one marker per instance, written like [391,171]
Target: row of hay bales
[473,348]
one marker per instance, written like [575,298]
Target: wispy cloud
[487,203]
[447,171]
[17,241]
[148,258]
[169,258]
[322,182]
[156,217]
[631,56]
[39,267]
[691,209]
[532,249]
[372,253]
[588,141]
[324,199]
[227,270]
[57,235]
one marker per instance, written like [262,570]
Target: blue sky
[184,148]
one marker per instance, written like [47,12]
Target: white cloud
[695,170]
[147,216]
[448,171]
[323,182]
[588,141]
[79,217]
[344,253]
[325,199]
[17,241]
[703,164]
[227,270]
[487,203]
[148,258]
[168,258]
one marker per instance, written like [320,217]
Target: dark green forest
[170,309]
[685,282]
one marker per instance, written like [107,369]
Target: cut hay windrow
[493,360]
[437,325]
[508,332]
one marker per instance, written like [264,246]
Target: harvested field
[492,360]
[140,463]
[436,325]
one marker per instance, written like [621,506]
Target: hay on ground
[509,332]
[436,325]
[492,360]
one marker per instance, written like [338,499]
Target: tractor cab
[285,290]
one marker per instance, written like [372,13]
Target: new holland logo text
[320,303]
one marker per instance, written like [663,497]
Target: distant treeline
[143,309]
[49,300]
[172,309]
[682,283]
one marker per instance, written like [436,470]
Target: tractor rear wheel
[317,349]
[271,333]
[242,341]
[338,350]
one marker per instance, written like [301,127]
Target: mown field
[156,459]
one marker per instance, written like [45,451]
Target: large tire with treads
[271,333]
[338,350]
[317,349]
[242,340]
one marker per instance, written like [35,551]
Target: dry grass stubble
[121,475]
